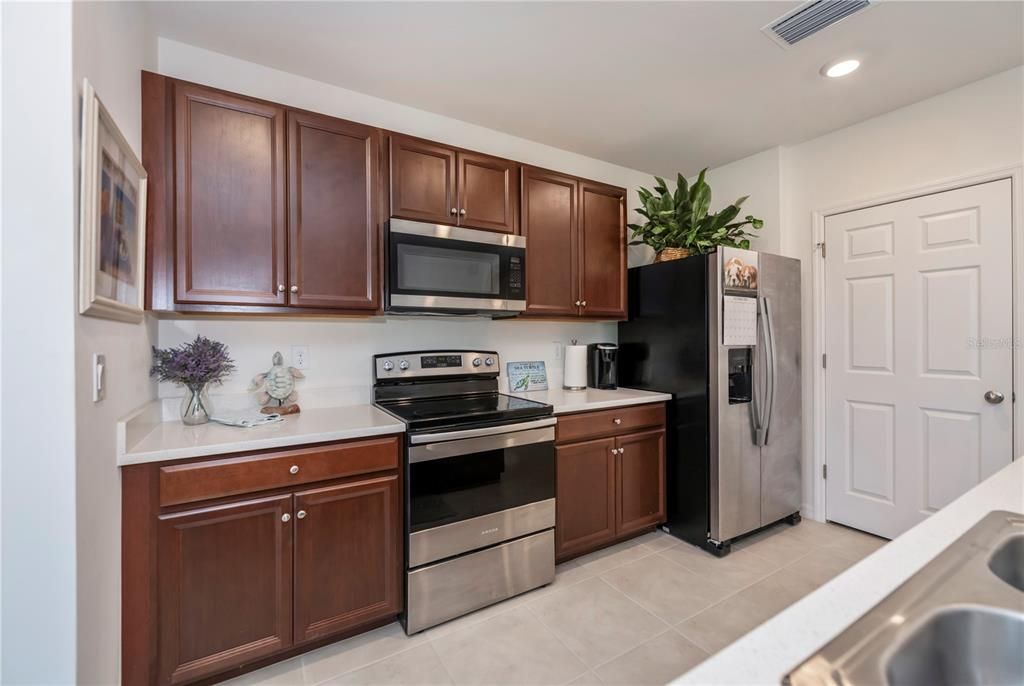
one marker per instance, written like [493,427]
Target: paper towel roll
[575,367]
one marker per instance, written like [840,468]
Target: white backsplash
[340,351]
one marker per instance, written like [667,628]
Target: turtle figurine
[277,384]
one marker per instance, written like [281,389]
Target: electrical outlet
[99,377]
[300,356]
[559,349]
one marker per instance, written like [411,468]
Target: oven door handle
[480,444]
[482,431]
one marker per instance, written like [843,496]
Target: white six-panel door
[918,330]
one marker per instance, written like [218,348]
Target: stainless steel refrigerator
[721,333]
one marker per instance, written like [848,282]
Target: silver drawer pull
[294,469]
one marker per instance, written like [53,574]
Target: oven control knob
[477,361]
[403,364]
[489,361]
[388,365]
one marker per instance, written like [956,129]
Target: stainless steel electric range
[479,483]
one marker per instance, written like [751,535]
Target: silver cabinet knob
[286,517]
[994,397]
[301,514]
[584,303]
[616,421]
[578,303]
[454,211]
[294,469]
[462,212]
[280,288]
[294,289]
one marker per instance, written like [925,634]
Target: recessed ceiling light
[834,70]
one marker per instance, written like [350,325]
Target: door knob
[994,397]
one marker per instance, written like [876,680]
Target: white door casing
[918,327]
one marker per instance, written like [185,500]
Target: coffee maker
[602,366]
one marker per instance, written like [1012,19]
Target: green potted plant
[679,224]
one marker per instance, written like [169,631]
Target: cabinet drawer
[218,478]
[585,425]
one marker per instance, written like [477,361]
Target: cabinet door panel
[488,193]
[549,224]
[333,183]
[422,181]
[602,250]
[230,227]
[348,556]
[225,587]
[585,504]
[640,466]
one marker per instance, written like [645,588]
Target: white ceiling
[659,87]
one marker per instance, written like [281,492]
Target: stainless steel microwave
[438,269]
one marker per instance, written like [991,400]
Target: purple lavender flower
[193,364]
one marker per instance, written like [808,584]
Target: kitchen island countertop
[773,649]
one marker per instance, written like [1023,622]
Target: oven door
[478,487]
[432,267]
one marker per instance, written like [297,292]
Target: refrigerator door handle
[769,335]
[760,382]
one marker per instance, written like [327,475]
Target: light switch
[99,382]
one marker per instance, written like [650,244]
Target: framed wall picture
[112,225]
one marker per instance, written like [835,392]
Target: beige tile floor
[641,612]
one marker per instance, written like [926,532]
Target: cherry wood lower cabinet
[214,588]
[610,486]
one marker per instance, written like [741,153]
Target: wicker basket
[672,254]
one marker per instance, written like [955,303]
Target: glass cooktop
[463,411]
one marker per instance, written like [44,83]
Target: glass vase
[195,406]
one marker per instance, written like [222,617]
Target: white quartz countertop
[773,649]
[145,437]
[592,398]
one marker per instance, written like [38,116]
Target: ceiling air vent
[811,17]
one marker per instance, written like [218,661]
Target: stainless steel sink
[1007,562]
[961,646]
[959,621]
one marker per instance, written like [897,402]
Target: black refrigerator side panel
[663,347]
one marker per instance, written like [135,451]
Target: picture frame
[112,218]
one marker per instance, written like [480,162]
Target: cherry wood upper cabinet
[333,213]
[488,193]
[585,496]
[641,481]
[422,180]
[437,183]
[230,198]
[602,238]
[225,587]
[549,225]
[348,556]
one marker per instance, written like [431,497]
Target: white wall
[111,44]
[340,349]
[37,283]
[760,177]
[974,129]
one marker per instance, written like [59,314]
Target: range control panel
[435,363]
